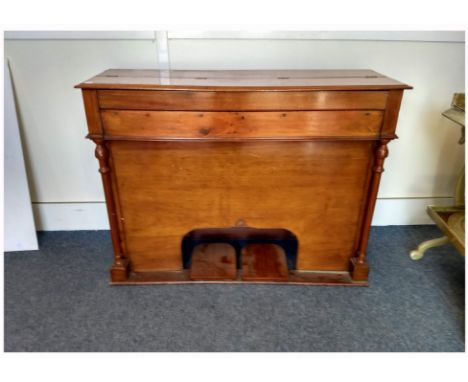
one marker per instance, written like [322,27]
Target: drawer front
[241,125]
[242,100]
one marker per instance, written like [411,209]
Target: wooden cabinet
[244,152]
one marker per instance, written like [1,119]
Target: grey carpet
[58,299]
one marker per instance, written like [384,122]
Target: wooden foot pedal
[214,261]
[264,262]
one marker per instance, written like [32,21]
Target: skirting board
[93,216]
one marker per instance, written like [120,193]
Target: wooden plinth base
[261,264]
[120,272]
[358,271]
[295,277]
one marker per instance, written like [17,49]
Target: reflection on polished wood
[242,80]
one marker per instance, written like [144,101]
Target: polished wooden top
[242,80]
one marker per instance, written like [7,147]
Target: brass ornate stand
[450,220]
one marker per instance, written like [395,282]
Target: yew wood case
[294,151]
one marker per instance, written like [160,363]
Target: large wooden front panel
[315,189]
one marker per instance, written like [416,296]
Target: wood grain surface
[241,101]
[214,261]
[245,125]
[264,262]
[313,189]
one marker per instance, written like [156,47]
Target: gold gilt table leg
[456,222]
[418,253]
[460,189]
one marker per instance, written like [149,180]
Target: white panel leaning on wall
[20,231]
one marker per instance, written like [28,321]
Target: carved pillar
[359,267]
[119,270]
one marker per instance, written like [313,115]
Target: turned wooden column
[119,269]
[359,267]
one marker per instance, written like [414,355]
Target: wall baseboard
[93,216]
[405,211]
[70,216]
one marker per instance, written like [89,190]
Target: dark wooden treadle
[264,262]
[214,261]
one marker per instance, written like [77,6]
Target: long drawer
[241,100]
[241,125]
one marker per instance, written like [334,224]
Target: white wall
[66,188]
[425,158]
[60,161]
